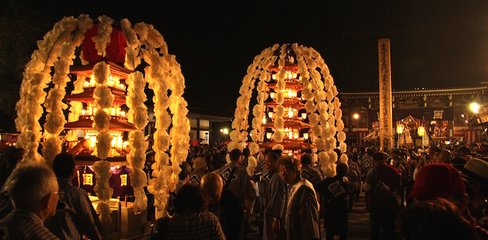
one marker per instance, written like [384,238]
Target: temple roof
[87,96]
[291,145]
[115,70]
[419,92]
[87,124]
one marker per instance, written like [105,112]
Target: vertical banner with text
[384,73]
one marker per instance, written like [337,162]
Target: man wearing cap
[383,180]
[475,175]
[444,181]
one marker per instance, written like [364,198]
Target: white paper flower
[103,144]
[251,165]
[101,121]
[341,136]
[103,97]
[51,147]
[310,106]
[254,148]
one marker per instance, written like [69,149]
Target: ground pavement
[358,224]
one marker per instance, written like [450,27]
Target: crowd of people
[438,193]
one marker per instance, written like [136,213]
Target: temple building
[445,114]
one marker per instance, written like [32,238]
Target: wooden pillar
[386,117]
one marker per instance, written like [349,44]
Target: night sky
[435,44]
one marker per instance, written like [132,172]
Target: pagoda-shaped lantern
[95,74]
[294,127]
[297,106]
[82,137]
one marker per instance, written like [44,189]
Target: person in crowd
[246,152]
[475,176]
[444,181]
[273,198]
[76,199]
[432,154]
[412,167]
[190,220]
[278,149]
[183,179]
[444,156]
[334,195]
[433,219]
[212,186]
[461,156]
[383,191]
[308,172]
[301,211]
[11,157]
[367,161]
[35,193]
[259,172]
[237,196]
[199,169]
[354,176]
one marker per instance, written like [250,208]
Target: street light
[224,131]
[474,107]
[355,116]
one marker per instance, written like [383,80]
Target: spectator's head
[184,174]
[278,149]
[189,199]
[458,162]
[338,152]
[33,187]
[199,163]
[246,152]
[439,180]
[434,152]
[380,158]
[464,152]
[436,218]
[306,159]
[212,185]
[64,165]
[342,169]
[271,161]
[371,151]
[234,155]
[444,156]
[289,169]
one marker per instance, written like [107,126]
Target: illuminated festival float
[296,106]
[87,82]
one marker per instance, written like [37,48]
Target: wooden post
[386,116]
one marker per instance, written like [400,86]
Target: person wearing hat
[475,175]
[444,181]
